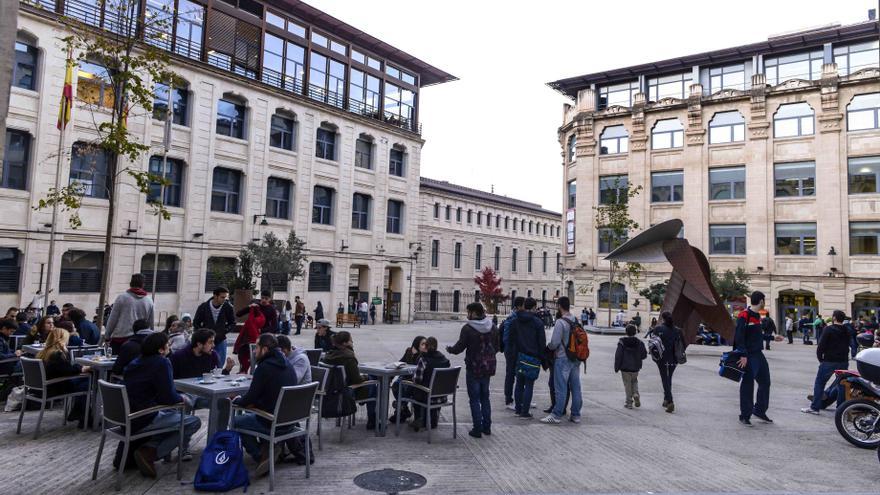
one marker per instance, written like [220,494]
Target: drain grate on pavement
[390,481]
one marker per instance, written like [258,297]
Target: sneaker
[145,457]
[575,419]
[525,416]
[762,417]
[534,405]
[510,406]
[475,433]
[670,407]
[810,410]
[745,422]
[628,406]
[636,401]
[551,420]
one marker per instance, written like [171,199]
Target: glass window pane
[274,20]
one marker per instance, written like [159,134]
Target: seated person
[342,354]
[297,358]
[131,349]
[272,373]
[148,382]
[40,331]
[56,360]
[428,361]
[7,327]
[177,338]
[410,356]
[199,357]
[87,330]
[324,336]
[74,340]
[23,326]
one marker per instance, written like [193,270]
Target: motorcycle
[858,419]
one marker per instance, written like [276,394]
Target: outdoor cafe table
[222,388]
[385,374]
[101,367]
[34,349]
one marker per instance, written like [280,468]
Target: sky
[496,126]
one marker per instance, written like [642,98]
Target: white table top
[222,386]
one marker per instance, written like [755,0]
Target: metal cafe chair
[444,383]
[36,388]
[314,356]
[319,375]
[353,390]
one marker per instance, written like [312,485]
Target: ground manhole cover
[390,481]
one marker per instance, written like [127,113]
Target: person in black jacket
[833,354]
[411,357]
[628,359]
[527,334]
[131,349]
[266,306]
[479,340]
[324,336]
[748,344]
[216,314]
[428,361]
[668,333]
[272,373]
[768,326]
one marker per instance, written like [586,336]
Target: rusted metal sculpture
[690,296]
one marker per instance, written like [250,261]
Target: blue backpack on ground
[221,467]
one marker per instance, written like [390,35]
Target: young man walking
[216,314]
[479,338]
[565,371]
[833,354]
[527,334]
[509,347]
[748,343]
[789,329]
[299,313]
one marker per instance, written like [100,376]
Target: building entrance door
[795,304]
[866,306]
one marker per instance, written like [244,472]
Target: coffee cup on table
[207,377]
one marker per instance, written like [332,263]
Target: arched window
[397,160]
[282,132]
[615,295]
[727,127]
[24,73]
[363,151]
[794,119]
[666,134]
[166,277]
[614,140]
[863,112]
[231,113]
[179,100]
[325,141]
[572,148]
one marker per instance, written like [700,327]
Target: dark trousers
[481,409]
[853,346]
[299,324]
[553,392]
[509,377]
[666,371]
[756,370]
[790,335]
[824,373]
[523,394]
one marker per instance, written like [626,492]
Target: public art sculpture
[690,296]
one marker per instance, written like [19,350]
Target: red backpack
[578,347]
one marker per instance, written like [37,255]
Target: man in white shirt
[789,329]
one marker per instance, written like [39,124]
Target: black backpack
[338,401]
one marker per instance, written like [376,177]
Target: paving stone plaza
[699,448]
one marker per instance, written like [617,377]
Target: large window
[853,58]
[727,127]
[278,198]
[399,105]
[283,132]
[16,159]
[394,223]
[675,86]
[322,206]
[612,295]
[794,119]
[166,277]
[219,272]
[437,210]
[806,66]
[89,167]
[667,133]
[609,240]
[179,101]
[572,148]
[456,256]
[448,212]
[796,239]
[10,270]
[864,175]
[544,262]
[81,272]
[364,93]
[325,144]
[572,196]
[363,152]
[230,118]
[396,161]
[24,73]
[864,238]
[326,79]
[226,190]
[94,85]
[529,261]
[618,94]
[667,187]
[727,77]
[497,260]
[863,112]
[478,257]
[513,254]
[173,174]
[188,32]
[320,276]
[435,253]
[727,183]
[360,211]
[727,239]
[283,64]
[613,140]
[795,179]
[613,189]
[233,44]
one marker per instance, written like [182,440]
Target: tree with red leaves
[489,284]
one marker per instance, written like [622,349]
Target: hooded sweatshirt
[469,340]
[130,351]
[130,306]
[527,335]
[630,353]
[273,373]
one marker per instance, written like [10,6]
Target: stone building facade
[462,230]
[315,132]
[769,153]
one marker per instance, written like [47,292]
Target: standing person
[363,311]
[668,333]
[747,343]
[833,354]
[319,311]
[323,335]
[637,321]
[285,316]
[853,334]
[620,319]
[52,309]
[628,359]
[249,334]
[479,338]
[373,313]
[550,364]
[131,305]
[218,315]
[270,315]
[592,317]
[565,370]
[805,325]
[508,345]
[818,326]
[653,323]
[527,334]
[585,316]
[299,314]
[789,329]
[768,327]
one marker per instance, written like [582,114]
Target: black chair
[116,423]
[319,375]
[36,388]
[294,405]
[353,390]
[314,356]
[444,382]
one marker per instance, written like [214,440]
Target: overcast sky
[497,123]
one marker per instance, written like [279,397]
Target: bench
[343,318]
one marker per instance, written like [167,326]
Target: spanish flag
[66,95]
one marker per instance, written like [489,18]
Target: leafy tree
[731,285]
[489,284]
[125,48]
[274,259]
[655,293]
[615,224]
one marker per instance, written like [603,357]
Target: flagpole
[62,125]
[169,114]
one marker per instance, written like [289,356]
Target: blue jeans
[522,396]
[285,328]
[478,394]
[220,347]
[756,370]
[250,421]
[565,379]
[166,442]
[826,371]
